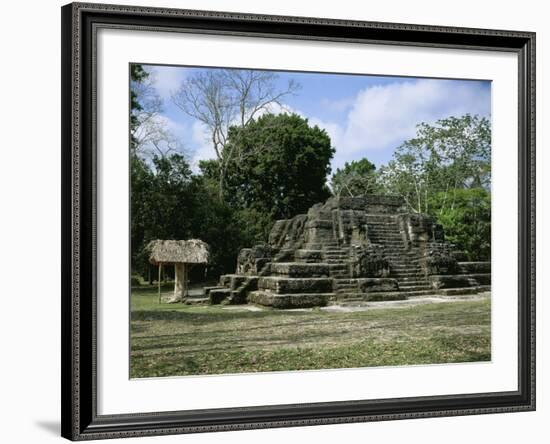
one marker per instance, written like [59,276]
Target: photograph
[291,221]
[295,218]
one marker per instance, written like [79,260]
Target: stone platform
[356,249]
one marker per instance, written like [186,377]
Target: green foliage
[454,153]
[137,75]
[467,223]
[445,171]
[355,179]
[216,223]
[168,202]
[280,169]
[160,203]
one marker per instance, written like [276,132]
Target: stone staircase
[404,263]
[294,285]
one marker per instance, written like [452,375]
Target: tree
[137,76]
[454,153]
[281,170]
[467,223]
[355,179]
[222,98]
[161,203]
[149,134]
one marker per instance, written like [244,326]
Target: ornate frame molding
[80,22]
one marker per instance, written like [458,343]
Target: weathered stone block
[380,297]
[282,301]
[218,295]
[370,261]
[232,281]
[251,260]
[299,269]
[373,285]
[474,267]
[460,280]
[295,285]
[308,255]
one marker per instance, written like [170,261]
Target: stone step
[400,245]
[346,281]
[294,300]
[412,281]
[346,287]
[304,255]
[195,300]
[409,288]
[217,295]
[283,285]
[401,257]
[389,217]
[407,274]
[369,297]
[297,269]
[453,291]
[405,262]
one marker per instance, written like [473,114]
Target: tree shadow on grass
[203,318]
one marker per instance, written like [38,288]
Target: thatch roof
[192,251]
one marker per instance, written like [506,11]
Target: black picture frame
[80,22]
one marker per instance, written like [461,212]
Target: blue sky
[365,116]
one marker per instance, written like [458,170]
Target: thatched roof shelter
[182,254]
[192,251]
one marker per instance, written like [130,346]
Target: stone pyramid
[350,250]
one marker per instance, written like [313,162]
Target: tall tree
[454,153]
[281,170]
[467,223]
[355,179]
[161,203]
[222,98]
[149,133]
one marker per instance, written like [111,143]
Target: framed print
[279,221]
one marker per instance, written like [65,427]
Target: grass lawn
[174,339]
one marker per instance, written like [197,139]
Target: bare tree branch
[223,98]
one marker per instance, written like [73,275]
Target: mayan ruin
[350,250]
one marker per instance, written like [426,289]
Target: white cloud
[167,79]
[339,105]
[382,117]
[379,118]
[201,139]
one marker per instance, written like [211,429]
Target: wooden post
[185,280]
[160,273]
[180,284]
